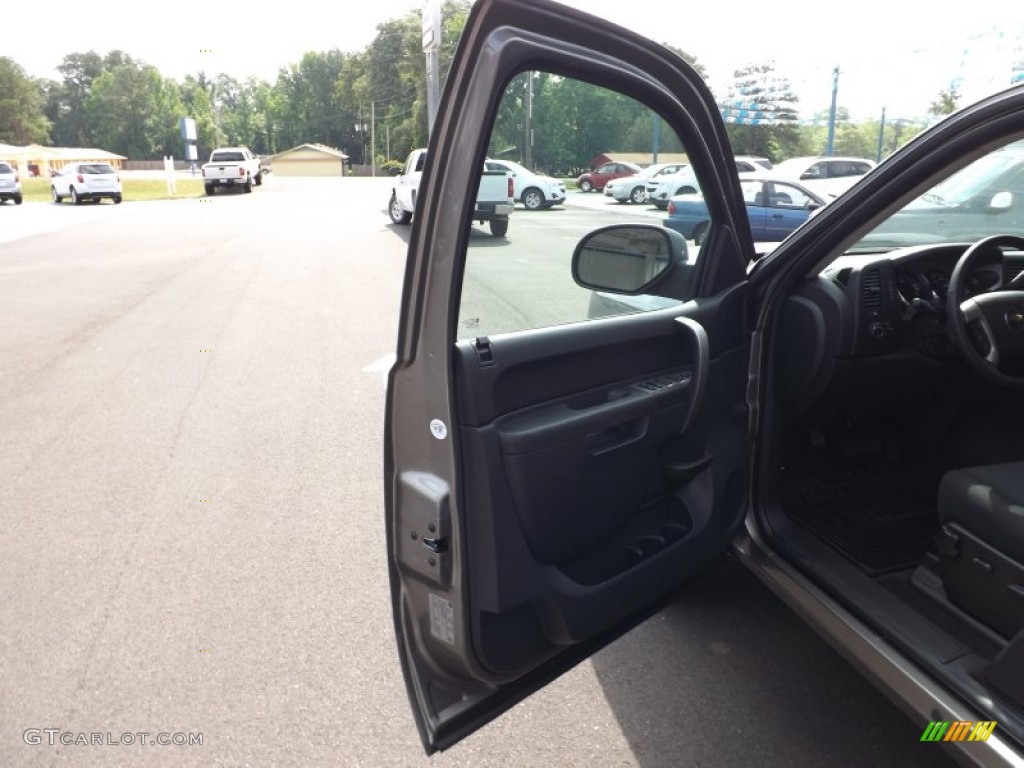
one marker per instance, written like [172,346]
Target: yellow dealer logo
[958,730]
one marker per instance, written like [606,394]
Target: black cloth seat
[988,501]
[981,543]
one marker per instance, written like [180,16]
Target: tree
[65,101]
[946,102]
[392,75]
[307,108]
[22,120]
[572,122]
[134,111]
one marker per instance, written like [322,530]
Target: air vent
[871,288]
[1013,269]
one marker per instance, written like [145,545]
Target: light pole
[432,48]
[832,113]
[373,138]
[881,137]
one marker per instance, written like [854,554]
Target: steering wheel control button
[1015,318]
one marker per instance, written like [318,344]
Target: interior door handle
[702,358]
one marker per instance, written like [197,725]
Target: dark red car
[600,176]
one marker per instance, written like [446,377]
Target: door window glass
[522,279]
[786,196]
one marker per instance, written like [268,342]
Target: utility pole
[832,113]
[373,138]
[528,133]
[432,49]
[881,137]
[361,129]
[655,138]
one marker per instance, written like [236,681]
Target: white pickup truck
[232,166]
[495,199]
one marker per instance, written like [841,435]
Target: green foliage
[572,123]
[22,120]
[240,115]
[858,139]
[307,109]
[946,102]
[65,100]
[134,112]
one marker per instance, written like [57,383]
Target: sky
[896,55]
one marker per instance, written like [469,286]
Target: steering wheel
[989,327]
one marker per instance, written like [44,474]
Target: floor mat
[876,512]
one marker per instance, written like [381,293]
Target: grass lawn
[38,190]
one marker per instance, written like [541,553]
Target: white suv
[533,190]
[829,176]
[86,181]
[10,186]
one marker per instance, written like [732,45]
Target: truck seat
[981,544]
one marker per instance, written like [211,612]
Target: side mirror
[1001,201]
[627,258]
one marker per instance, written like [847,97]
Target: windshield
[965,186]
[984,198]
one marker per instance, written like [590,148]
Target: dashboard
[869,320]
[928,279]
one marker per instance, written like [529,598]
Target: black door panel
[594,493]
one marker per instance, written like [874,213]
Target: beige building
[309,160]
[35,160]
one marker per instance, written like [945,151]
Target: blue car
[775,208]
